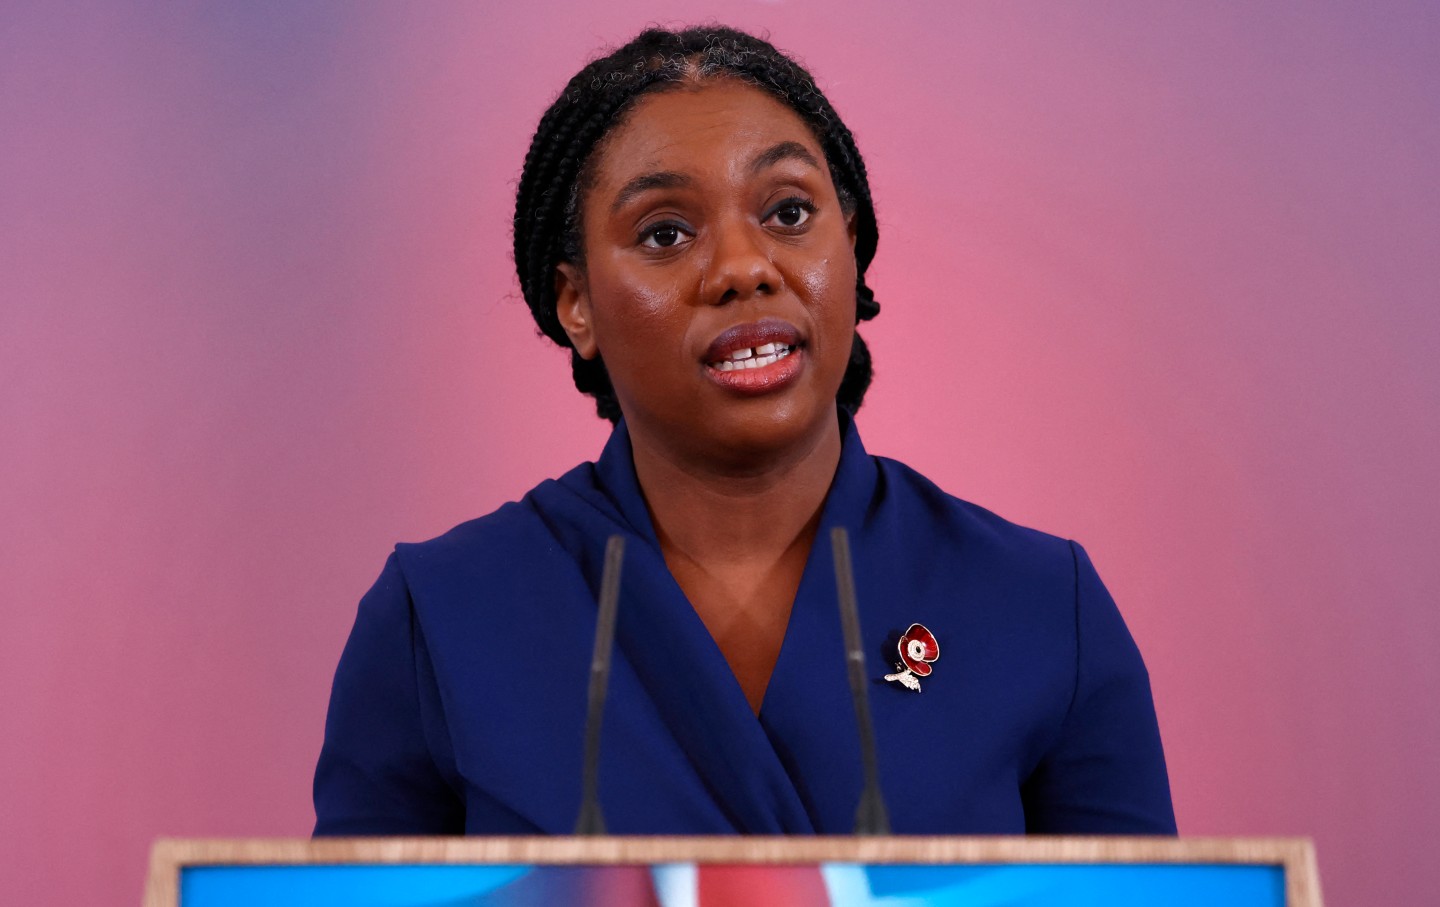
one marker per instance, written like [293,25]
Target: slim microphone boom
[590,820]
[871,817]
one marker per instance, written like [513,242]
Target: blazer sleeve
[378,772]
[1106,774]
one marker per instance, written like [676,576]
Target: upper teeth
[754,357]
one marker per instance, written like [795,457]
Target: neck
[728,513]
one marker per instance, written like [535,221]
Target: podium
[896,871]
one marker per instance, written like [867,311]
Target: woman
[694,224]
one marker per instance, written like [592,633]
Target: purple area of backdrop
[1160,277]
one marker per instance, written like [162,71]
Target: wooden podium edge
[169,855]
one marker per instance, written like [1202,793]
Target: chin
[759,430]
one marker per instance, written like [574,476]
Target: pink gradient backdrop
[1161,277]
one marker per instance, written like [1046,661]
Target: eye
[792,213]
[665,235]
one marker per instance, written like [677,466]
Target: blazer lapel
[675,662]
[822,756]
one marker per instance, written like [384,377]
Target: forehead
[720,124]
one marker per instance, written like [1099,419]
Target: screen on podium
[842,884]
[718,872]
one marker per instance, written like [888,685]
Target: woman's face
[719,278]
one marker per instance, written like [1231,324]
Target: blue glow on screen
[1057,885]
[342,886]
[850,885]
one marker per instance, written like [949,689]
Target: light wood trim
[162,883]
[1302,877]
[168,855]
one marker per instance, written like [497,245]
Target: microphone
[590,821]
[871,818]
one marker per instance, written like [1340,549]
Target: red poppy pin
[917,649]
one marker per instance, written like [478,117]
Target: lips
[771,332]
[755,357]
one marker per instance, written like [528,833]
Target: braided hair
[559,169]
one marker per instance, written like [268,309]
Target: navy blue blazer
[459,702]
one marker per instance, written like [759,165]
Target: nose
[741,265]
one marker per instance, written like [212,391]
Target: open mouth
[751,357]
[756,358]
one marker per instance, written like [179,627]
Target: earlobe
[572,308]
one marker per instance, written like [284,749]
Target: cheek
[828,284]
[634,314]
[633,308]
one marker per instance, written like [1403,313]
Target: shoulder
[519,539]
[460,543]
[521,529]
[454,556]
[920,507]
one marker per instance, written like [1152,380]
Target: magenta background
[1160,277]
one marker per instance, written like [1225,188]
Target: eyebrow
[669,179]
[784,151]
[660,179]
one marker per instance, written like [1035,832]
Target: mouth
[756,358]
[753,357]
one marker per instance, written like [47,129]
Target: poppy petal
[922,633]
[921,668]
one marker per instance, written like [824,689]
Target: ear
[851,229]
[572,307]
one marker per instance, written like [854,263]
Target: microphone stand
[871,817]
[590,820]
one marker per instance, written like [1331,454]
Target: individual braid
[555,175]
